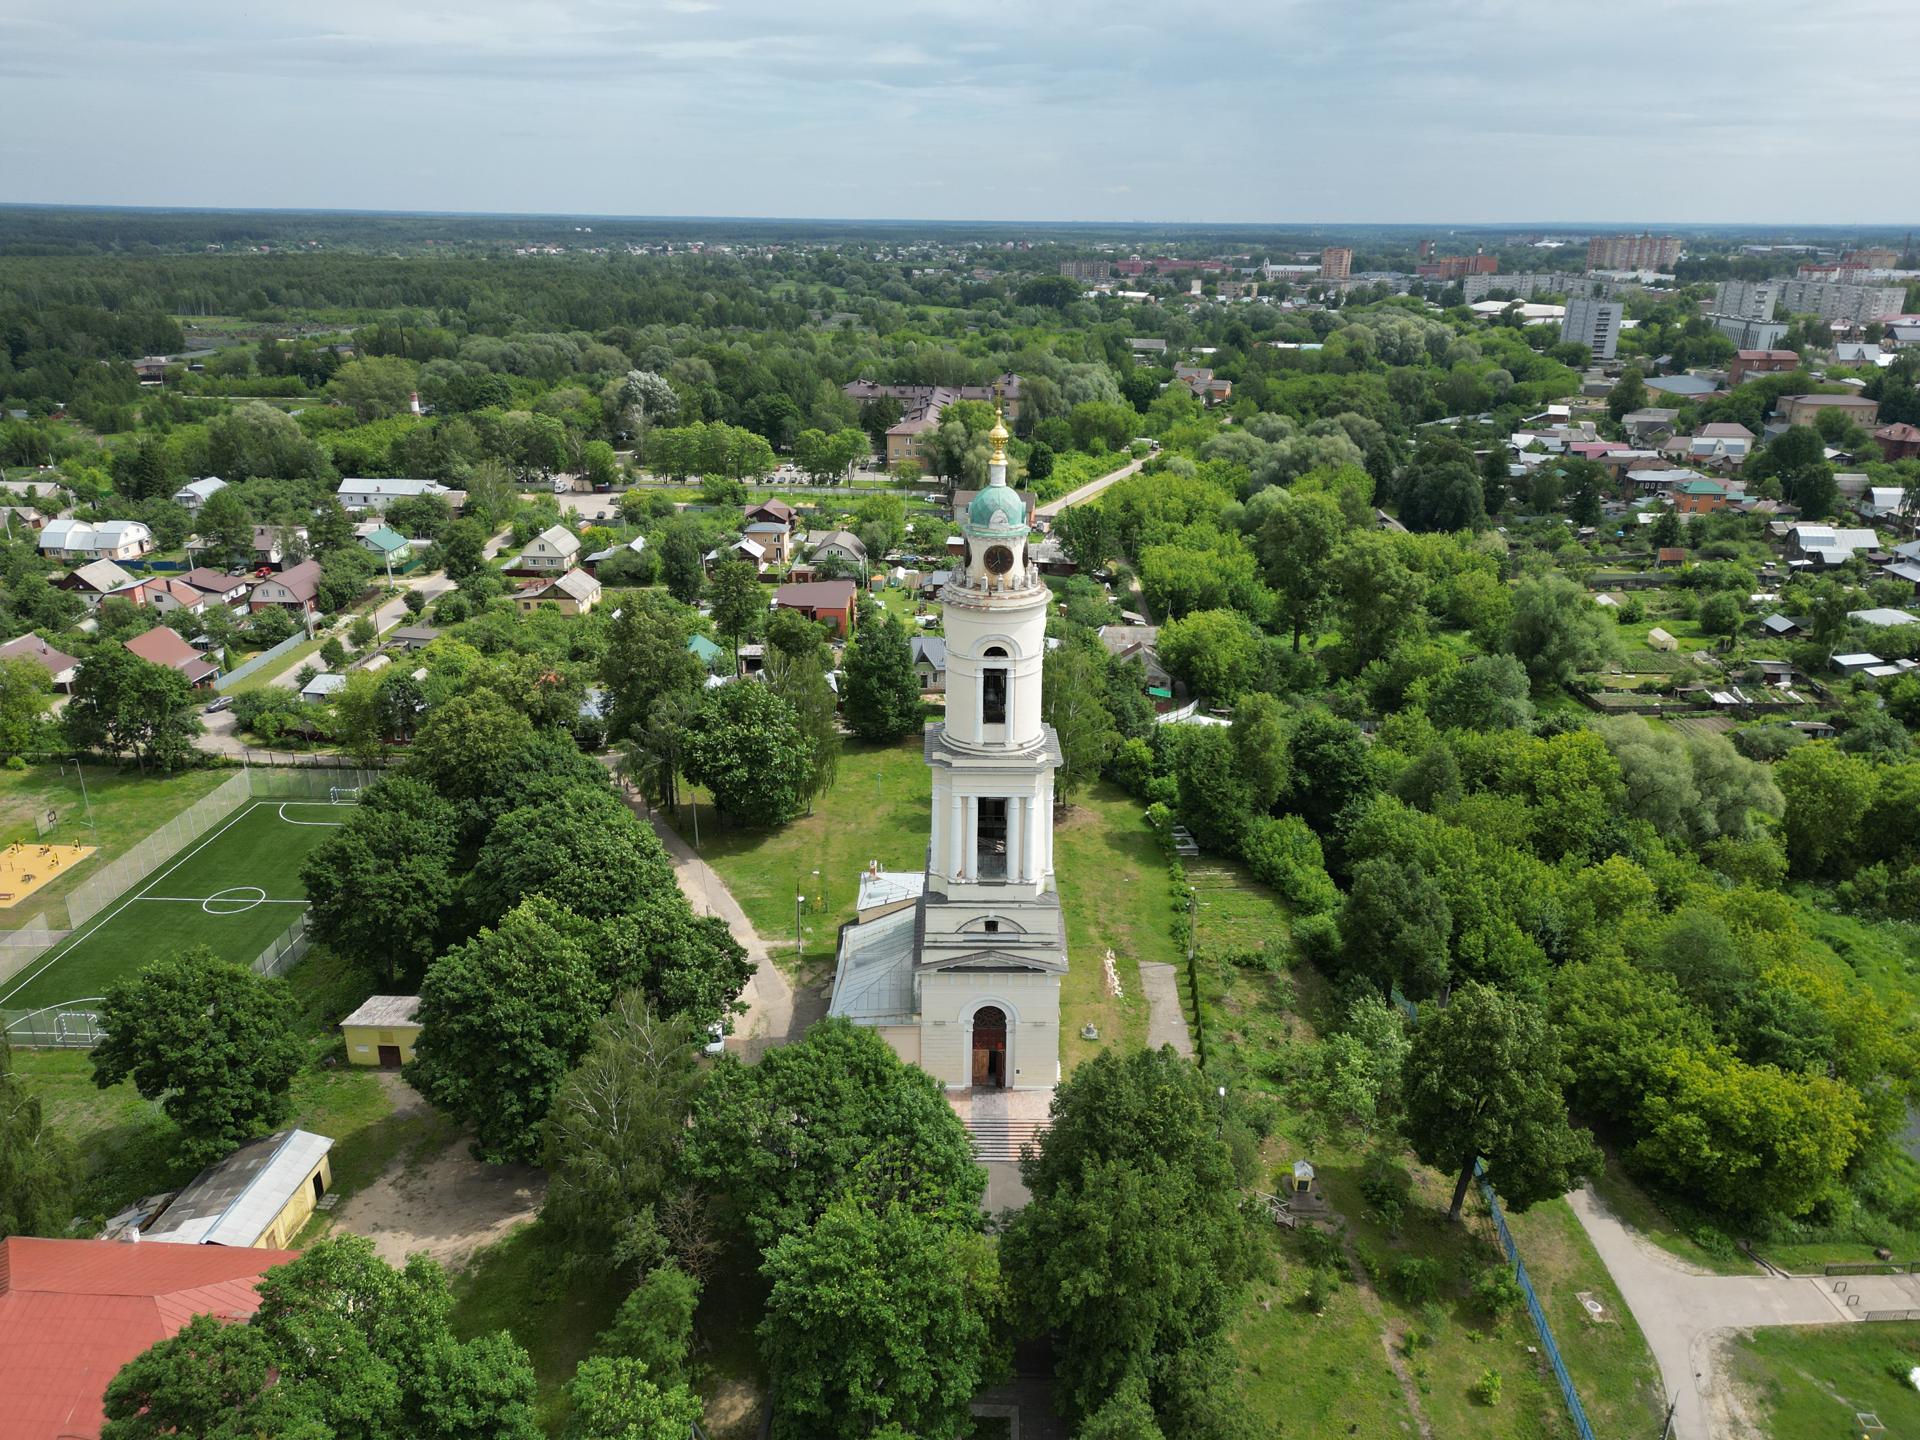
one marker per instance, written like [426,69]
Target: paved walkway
[776,1012]
[1086,492]
[1166,1018]
[1686,1315]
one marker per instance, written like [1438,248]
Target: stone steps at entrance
[1000,1141]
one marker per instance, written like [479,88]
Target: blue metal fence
[1575,1409]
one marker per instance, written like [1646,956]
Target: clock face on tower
[999,559]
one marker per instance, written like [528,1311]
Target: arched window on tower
[993,687]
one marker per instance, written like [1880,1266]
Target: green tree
[1296,534]
[680,562]
[466,745]
[1628,395]
[380,887]
[1489,692]
[123,705]
[880,1317]
[376,386]
[1558,633]
[780,1140]
[800,679]
[883,694]
[1083,531]
[749,751]
[613,1399]
[1721,615]
[1827,794]
[503,1017]
[26,691]
[646,659]
[1133,1248]
[1073,701]
[226,525]
[38,1167]
[1395,927]
[1218,653]
[208,1039]
[1483,1081]
[654,1324]
[463,549]
[580,847]
[738,601]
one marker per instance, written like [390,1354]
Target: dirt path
[1087,491]
[446,1205]
[777,1013]
[1391,1337]
[1166,1019]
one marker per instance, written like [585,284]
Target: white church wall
[1031,1001]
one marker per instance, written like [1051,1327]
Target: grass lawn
[287,664]
[519,1285]
[127,807]
[234,891]
[129,1148]
[1807,1383]
[877,809]
[1113,891]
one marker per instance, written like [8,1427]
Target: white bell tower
[994,759]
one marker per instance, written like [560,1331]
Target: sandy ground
[446,1205]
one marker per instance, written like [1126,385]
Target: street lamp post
[799,945]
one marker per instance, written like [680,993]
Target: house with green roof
[705,651]
[1697,497]
[387,545]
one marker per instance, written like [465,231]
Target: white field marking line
[220,899]
[72,940]
[328,824]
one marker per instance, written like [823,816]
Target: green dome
[997,510]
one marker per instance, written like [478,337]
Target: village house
[841,545]
[772,512]
[573,593]
[929,654]
[774,539]
[360,495]
[96,580]
[1700,497]
[196,493]
[382,1031]
[1827,544]
[323,687]
[95,540]
[922,406]
[555,548]
[161,646]
[296,588]
[60,666]
[1137,642]
[830,601]
[409,638]
[387,545]
[1898,442]
[270,542]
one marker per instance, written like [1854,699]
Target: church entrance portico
[988,1046]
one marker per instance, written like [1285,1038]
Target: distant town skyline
[1294,112]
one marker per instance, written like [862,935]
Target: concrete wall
[364,1042]
[293,1215]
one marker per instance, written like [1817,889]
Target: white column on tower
[957,836]
[1017,840]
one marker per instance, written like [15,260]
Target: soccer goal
[344,794]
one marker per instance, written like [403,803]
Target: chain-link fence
[72,1025]
[310,782]
[286,952]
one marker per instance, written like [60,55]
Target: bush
[1496,1292]
[1416,1281]
[360,634]
[1285,854]
[415,602]
[1323,1283]
[1486,1390]
[333,652]
[1316,939]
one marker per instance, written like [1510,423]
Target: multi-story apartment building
[1633,252]
[1336,263]
[1594,324]
[1086,269]
[1835,300]
[1746,299]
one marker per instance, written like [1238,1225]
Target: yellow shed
[259,1196]
[382,1031]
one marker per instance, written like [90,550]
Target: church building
[959,966]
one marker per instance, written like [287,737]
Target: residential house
[1748,363]
[774,539]
[930,662]
[1781,626]
[1857,663]
[196,493]
[1700,497]
[258,1197]
[1883,617]
[1905,571]
[95,540]
[1683,387]
[161,646]
[1140,642]
[1898,442]
[1828,544]
[705,651]
[554,549]
[922,406]
[59,665]
[96,580]
[573,593]
[270,542]
[358,495]
[1052,558]
[1669,555]
[1650,425]
[592,563]
[382,1031]
[224,589]
[1204,385]
[1883,501]
[1854,352]
[1805,409]
[830,601]
[74,1312]
[1658,639]
[296,588]
[387,545]
[772,512]
[21,517]
[165,595]
[843,545]
[744,549]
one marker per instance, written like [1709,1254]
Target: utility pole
[799,945]
[1667,1429]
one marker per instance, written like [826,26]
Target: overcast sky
[1287,111]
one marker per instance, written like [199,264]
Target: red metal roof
[72,1312]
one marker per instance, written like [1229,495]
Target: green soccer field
[234,890]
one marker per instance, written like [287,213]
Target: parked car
[225,702]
